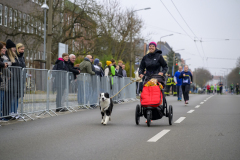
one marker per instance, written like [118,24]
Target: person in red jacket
[208,89]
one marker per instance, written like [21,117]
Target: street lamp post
[173,59]
[44,7]
[131,54]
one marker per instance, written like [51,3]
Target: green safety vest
[218,88]
[212,88]
[169,81]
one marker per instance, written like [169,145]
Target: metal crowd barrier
[27,91]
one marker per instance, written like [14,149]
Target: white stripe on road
[180,120]
[197,106]
[201,102]
[190,111]
[205,100]
[158,136]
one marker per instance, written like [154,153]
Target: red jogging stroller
[153,103]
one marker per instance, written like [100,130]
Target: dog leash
[136,80]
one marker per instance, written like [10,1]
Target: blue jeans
[1,102]
[14,104]
[179,92]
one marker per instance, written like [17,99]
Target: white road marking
[205,100]
[197,106]
[190,111]
[158,136]
[180,120]
[201,102]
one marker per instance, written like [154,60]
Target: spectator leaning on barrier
[14,84]
[60,80]
[124,71]
[20,54]
[71,67]
[102,71]
[2,64]
[98,70]
[107,70]
[86,65]
[120,73]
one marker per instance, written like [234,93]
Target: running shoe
[146,121]
[186,102]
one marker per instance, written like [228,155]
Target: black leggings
[185,91]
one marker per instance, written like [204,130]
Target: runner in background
[178,82]
[186,77]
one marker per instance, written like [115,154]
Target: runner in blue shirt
[178,82]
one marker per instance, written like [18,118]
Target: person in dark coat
[60,80]
[120,71]
[153,62]
[14,87]
[74,70]
[20,54]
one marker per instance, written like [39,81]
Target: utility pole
[173,63]
[131,47]
[49,35]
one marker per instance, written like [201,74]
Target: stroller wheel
[137,114]
[149,117]
[170,114]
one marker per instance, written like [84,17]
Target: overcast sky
[213,21]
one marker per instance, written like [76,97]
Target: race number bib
[185,80]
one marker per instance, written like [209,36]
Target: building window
[5,16]
[31,28]
[10,17]
[36,26]
[1,11]
[15,19]
[39,28]
[24,22]
[28,21]
[19,21]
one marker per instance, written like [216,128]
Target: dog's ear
[106,95]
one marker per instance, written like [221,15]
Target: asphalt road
[209,132]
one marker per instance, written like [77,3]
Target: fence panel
[10,91]
[33,90]
[57,90]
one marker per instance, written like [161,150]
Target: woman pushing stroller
[153,102]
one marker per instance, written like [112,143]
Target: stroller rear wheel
[137,114]
[149,117]
[170,114]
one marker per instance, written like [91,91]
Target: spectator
[71,67]
[120,73]
[102,71]
[124,71]
[6,74]
[113,63]
[2,66]
[14,84]
[86,65]
[20,52]
[139,85]
[109,69]
[98,70]
[60,80]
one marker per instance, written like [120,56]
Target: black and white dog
[106,106]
